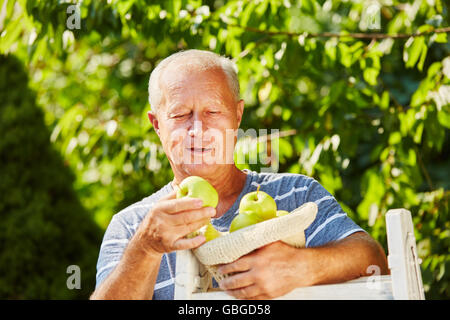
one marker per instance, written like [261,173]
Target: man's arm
[133,278]
[162,230]
[278,268]
[348,259]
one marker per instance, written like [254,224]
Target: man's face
[197,120]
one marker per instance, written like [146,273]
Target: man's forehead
[176,73]
[179,79]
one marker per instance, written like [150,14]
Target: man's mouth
[199,150]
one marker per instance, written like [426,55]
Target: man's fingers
[184,244]
[171,195]
[191,216]
[245,293]
[240,265]
[176,205]
[236,281]
[183,230]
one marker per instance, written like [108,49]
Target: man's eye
[177,116]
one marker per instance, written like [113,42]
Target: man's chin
[203,169]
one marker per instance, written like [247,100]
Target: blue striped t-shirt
[289,191]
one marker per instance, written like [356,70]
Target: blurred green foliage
[44,229]
[371,114]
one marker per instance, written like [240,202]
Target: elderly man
[193,92]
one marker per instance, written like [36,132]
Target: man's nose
[196,127]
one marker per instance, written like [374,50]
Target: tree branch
[339,35]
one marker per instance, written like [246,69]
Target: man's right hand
[168,222]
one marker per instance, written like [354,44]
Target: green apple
[281,213]
[211,233]
[208,231]
[243,220]
[197,187]
[259,204]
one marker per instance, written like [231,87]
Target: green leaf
[10,35]
[345,54]
[286,114]
[330,49]
[309,6]
[418,133]
[285,148]
[370,75]
[444,117]
[413,50]
[373,194]
[395,138]
[407,121]
[441,37]
[384,103]
[423,55]
[434,69]
[247,13]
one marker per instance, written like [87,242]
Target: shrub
[43,226]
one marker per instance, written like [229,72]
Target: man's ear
[154,121]
[240,111]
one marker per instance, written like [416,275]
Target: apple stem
[257,190]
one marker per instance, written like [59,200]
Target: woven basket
[228,248]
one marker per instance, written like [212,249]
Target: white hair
[201,60]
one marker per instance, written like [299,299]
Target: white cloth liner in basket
[230,247]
